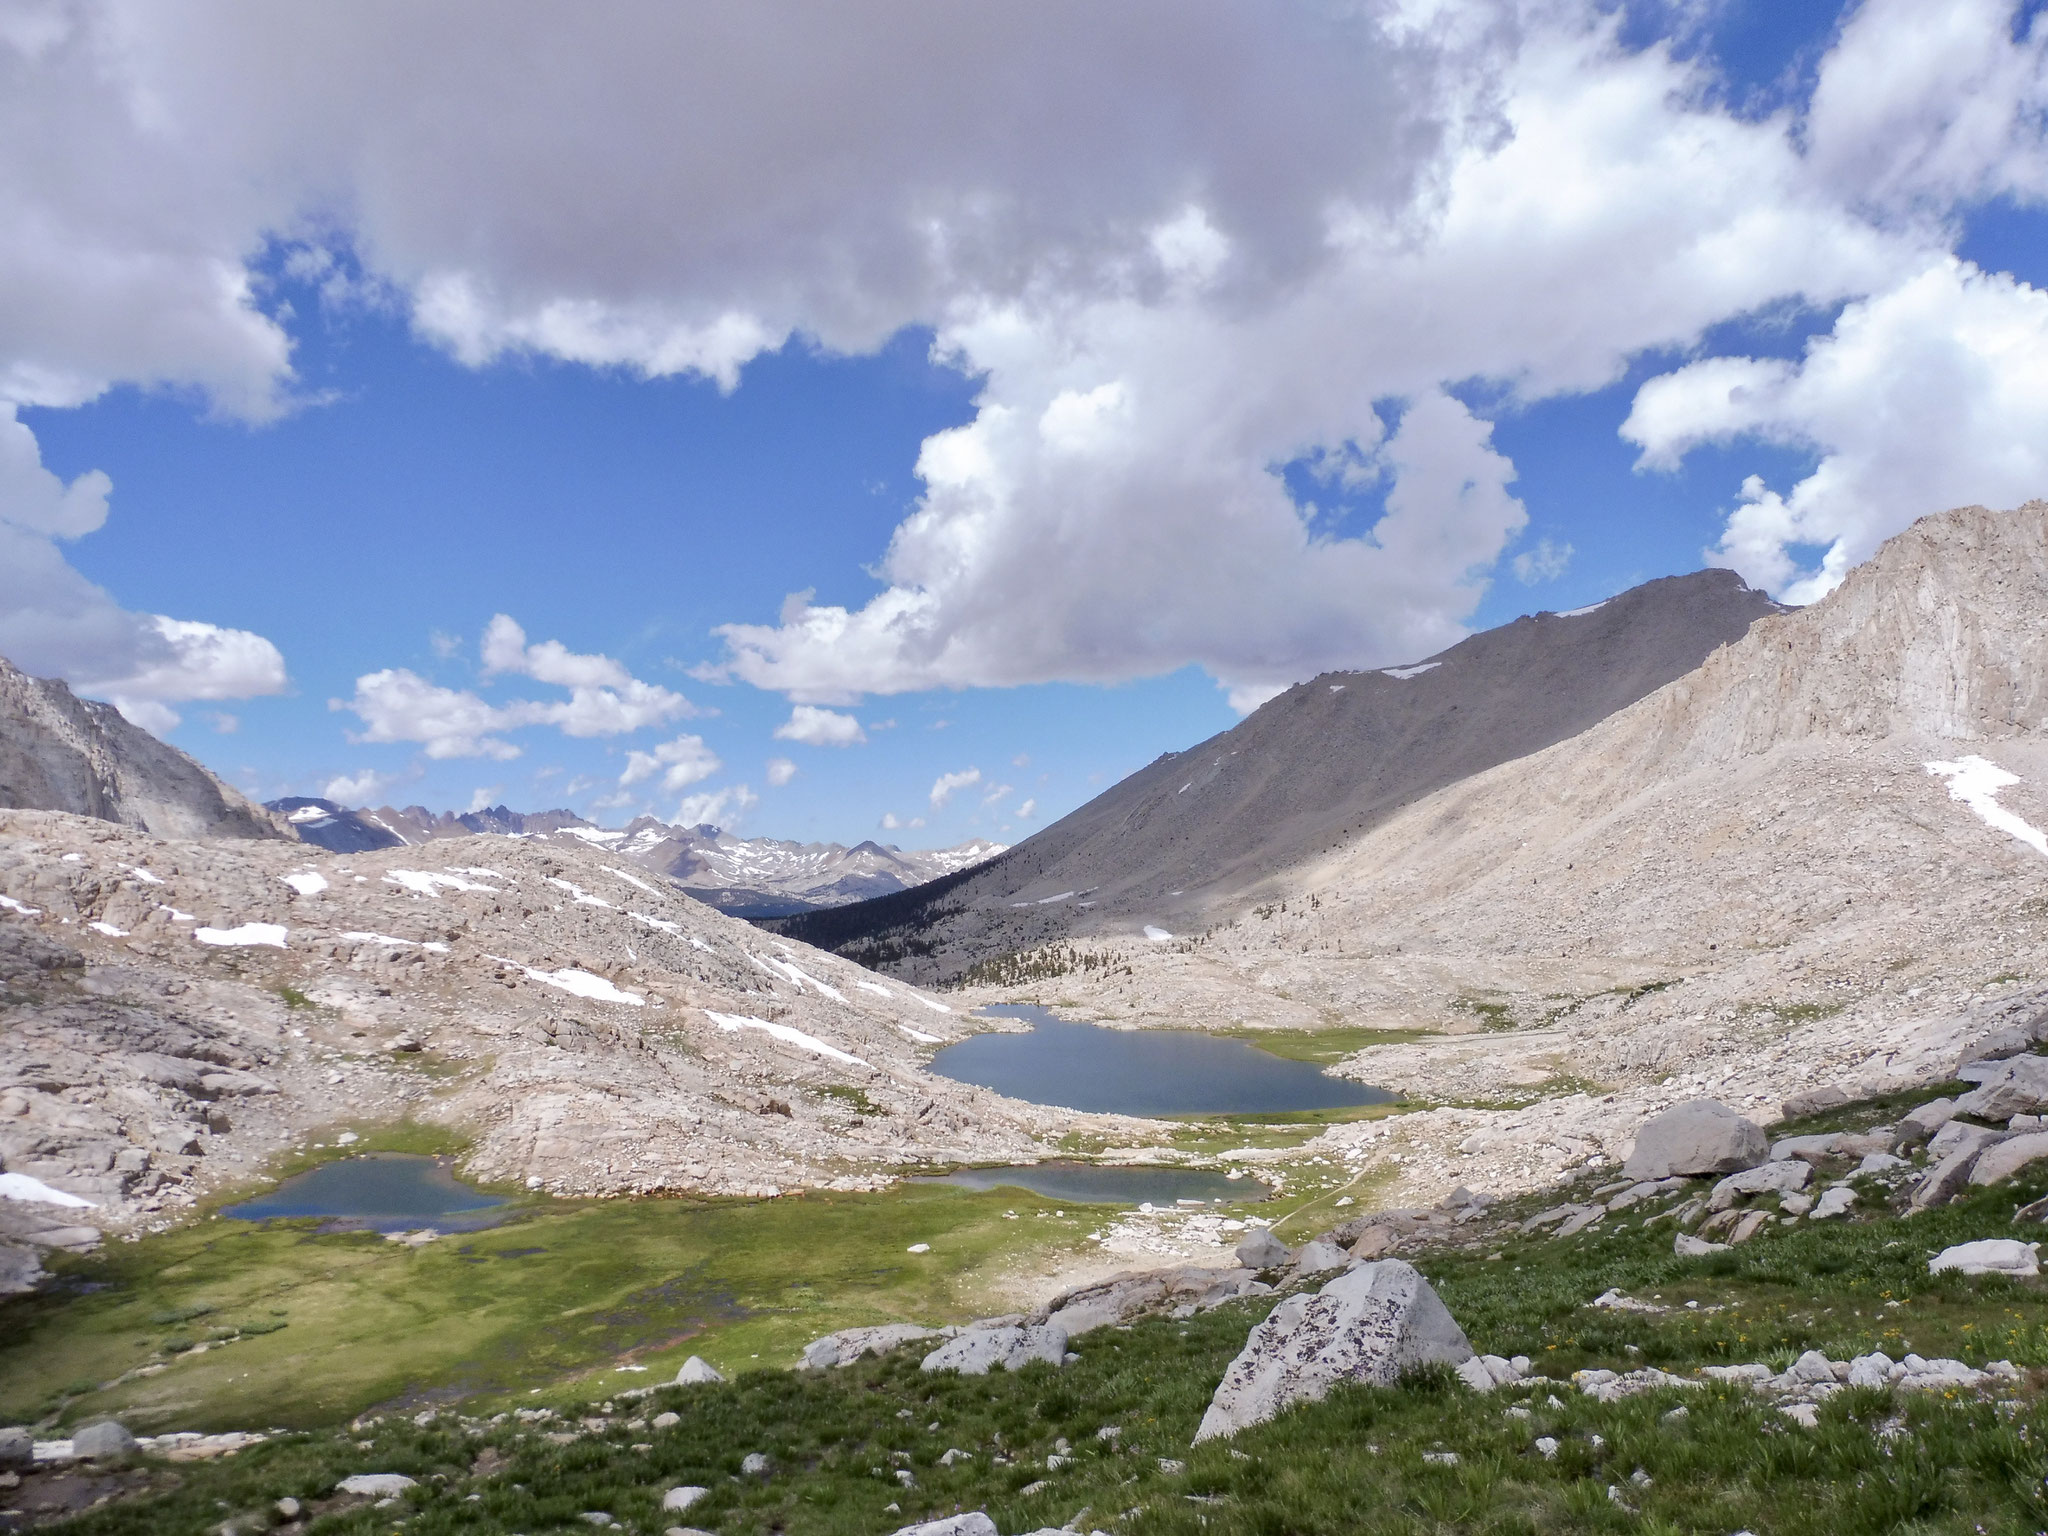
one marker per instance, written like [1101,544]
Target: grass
[1878,1462]
[562,1291]
[1323,1046]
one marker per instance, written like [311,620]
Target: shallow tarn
[378,1192]
[1141,1072]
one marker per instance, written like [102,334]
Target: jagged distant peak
[754,876]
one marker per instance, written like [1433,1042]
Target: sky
[904,421]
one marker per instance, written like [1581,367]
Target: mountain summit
[1323,762]
[59,752]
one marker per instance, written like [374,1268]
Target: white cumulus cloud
[681,763]
[717,807]
[604,700]
[1213,242]
[947,784]
[780,771]
[820,727]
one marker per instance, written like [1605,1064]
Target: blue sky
[1563,302]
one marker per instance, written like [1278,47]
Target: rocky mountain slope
[59,752]
[1816,859]
[1305,773]
[174,1013]
[747,877]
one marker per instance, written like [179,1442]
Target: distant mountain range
[744,877]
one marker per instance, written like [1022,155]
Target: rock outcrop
[59,752]
[1369,1325]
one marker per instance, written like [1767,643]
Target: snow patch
[920,1036]
[583,897]
[935,1007]
[1404,673]
[1156,935]
[576,982]
[1337,687]
[249,934]
[306,882]
[1976,782]
[19,1186]
[109,930]
[176,915]
[420,883]
[14,906]
[878,990]
[377,938]
[629,879]
[732,1023]
[595,835]
[800,976]
[1580,613]
[656,922]
[142,874]
[1046,901]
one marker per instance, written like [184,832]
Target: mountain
[746,877]
[1320,764]
[177,1014]
[59,752]
[1821,857]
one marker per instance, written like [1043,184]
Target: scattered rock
[1186,1290]
[1369,1324]
[1686,1246]
[980,1350]
[667,1420]
[2008,1157]
[1834,1201]
[1920,1124]
[973,1523]
[106,1438]
[1701,1137]
[1771,1178]
[1546,1447]
[1813,1102]
[1483,1373]
[17,1450]
[754,1464]
[1988,1256]
[2018,1086]
[697,1370]
[850,1344]
[676,1500]
[1262,1250]
[376,1485]
[1319,1258]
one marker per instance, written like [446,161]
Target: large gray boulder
[1918,1125]
[2019,1086]
[1368,1325]
[17,1450]
[1955,1148]
[104,1439]
[697,1371]
[980,1350]
[1701,1137]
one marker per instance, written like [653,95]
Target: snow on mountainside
[747,877]
[176,1013]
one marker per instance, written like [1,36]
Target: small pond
[378,1192]
[1141,1071]
[1094,1184]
